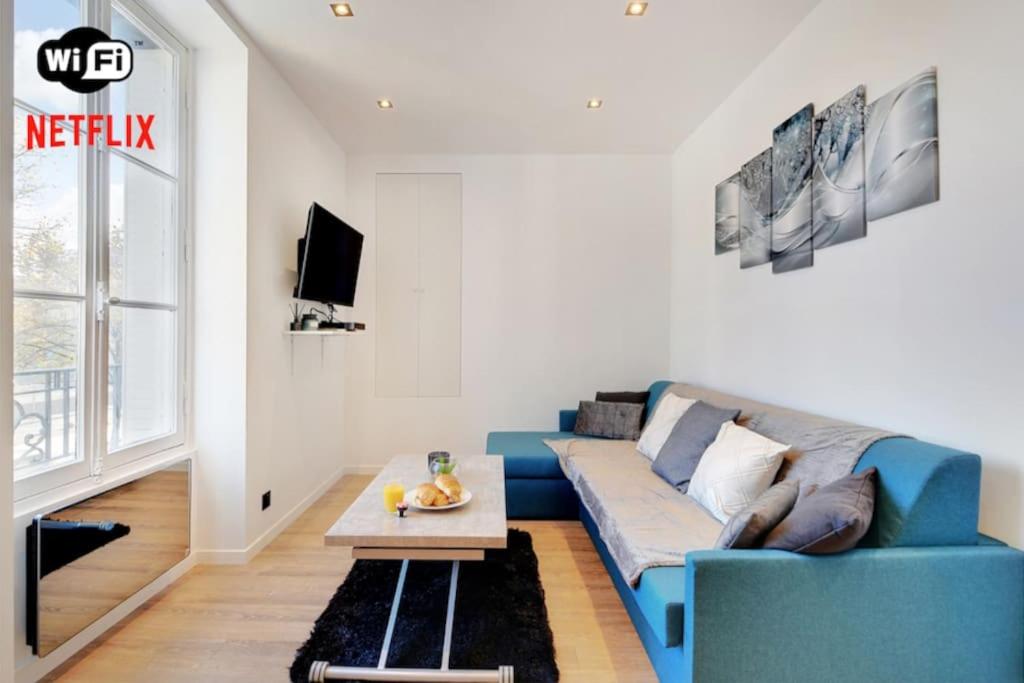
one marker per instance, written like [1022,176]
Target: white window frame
[92,387]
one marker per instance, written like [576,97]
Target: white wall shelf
[322,333]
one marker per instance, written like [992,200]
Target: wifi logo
[85,60]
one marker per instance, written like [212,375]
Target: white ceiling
[513,76]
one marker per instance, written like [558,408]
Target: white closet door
[440,258]
[397,345]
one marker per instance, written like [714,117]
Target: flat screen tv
[328,259]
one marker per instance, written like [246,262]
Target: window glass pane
[36,21]
[143,386]
[47,229]
[47,368]
[151,89]
[143,234]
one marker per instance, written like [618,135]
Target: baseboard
[37,668]
[222,556]
[244,555]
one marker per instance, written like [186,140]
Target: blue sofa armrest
[927,495]
[567,420]
[953,613]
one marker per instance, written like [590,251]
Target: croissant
[429,495]
[450,486]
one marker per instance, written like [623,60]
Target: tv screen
[328,259]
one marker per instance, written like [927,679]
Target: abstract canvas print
[727,218]
[901,140]
[791,192]
[755,212]
[838,213]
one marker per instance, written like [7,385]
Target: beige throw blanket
[643,520]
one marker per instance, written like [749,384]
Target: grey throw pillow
[694,432]
[830,520]
[749,527]
[610,420]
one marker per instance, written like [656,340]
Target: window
[99,244]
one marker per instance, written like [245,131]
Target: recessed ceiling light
[385,104]
[636,9]
[594,103]
[342,9]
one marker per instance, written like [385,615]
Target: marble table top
[478,525]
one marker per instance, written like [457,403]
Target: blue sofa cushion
[660,595]
[526,454]
[541,499]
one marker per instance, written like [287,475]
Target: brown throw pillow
[626,397]
[749,527]
[831,520]
[623,396]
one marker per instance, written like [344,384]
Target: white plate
[410,498]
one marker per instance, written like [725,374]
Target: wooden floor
[244,623]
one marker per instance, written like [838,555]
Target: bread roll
[429,495]
[450,486]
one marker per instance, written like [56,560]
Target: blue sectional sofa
[924,598]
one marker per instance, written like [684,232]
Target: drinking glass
[394,493]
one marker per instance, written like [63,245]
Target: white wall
[295,387]
[267,412]
[564,292]
[219,209]
[918,327]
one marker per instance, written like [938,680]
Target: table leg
[320,672]
[395,602]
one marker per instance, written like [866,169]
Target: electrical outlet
[266,500]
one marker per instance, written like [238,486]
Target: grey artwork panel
[756,210]
[901,138]
[838,178]
[727,214]
[791,192]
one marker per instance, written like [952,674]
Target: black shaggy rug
[500,617]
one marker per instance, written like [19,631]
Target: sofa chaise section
[535,487]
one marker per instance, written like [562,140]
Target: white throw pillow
[668,411]
[737,468]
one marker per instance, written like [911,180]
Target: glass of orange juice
[394,493]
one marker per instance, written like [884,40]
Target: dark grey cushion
[694,432]
[830,520]
[626,397]
[610,420]
[749,527]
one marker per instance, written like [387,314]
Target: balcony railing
[45,414]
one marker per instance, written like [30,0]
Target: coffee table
[457,535]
